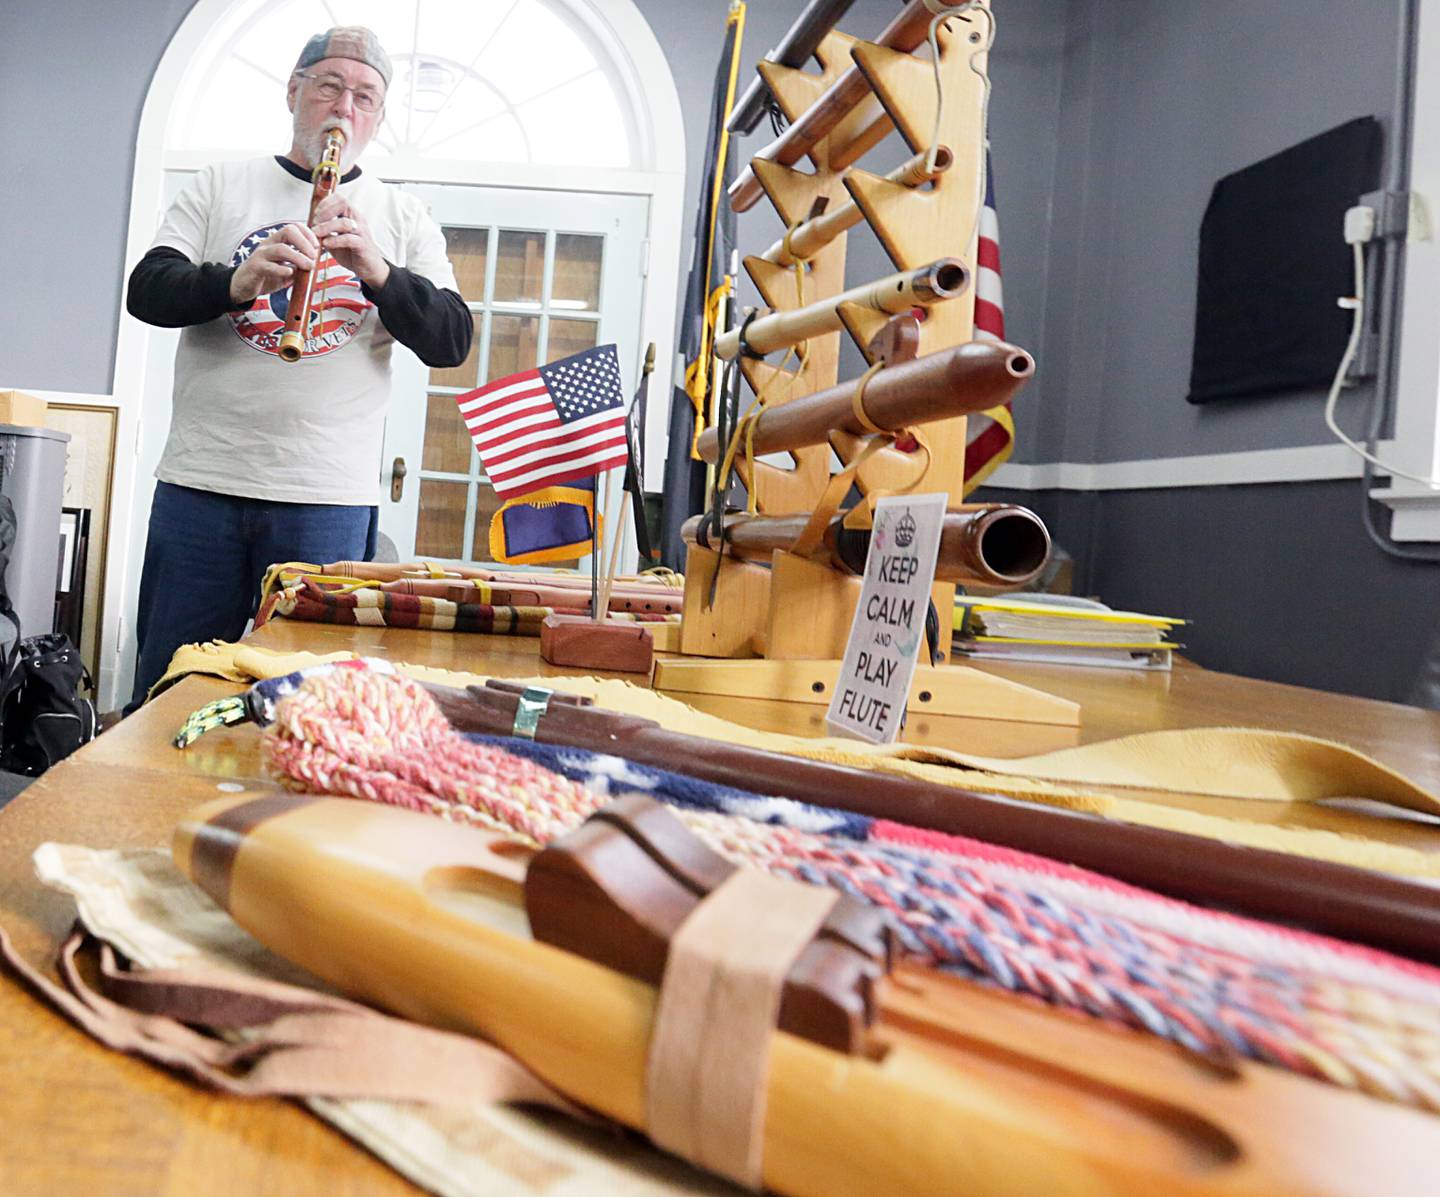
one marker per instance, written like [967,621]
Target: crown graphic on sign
[905,531]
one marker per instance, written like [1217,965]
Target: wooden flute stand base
[796,614]
[579,641]
[937,689]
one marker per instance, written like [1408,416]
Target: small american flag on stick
[991,435]
[550,425]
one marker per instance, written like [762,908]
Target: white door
[546,274]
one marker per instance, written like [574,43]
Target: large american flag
[989,436]
[550,425]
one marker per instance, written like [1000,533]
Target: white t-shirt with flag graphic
[245,422]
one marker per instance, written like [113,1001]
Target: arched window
[466,85]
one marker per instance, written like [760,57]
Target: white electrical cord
[1359,228]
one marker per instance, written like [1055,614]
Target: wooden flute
[326,177]
[896,293]
[952,1090]
[963,379]
[995,544]
[1396,914]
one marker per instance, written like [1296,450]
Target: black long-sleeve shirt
[168,290]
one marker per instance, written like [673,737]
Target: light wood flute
[963,1091]
[326,177]
[817,232]
[896,294]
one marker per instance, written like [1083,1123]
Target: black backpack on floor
[43,719]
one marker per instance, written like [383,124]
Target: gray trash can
[32,476]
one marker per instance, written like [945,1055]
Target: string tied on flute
[745,426]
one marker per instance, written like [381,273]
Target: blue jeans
[206,555]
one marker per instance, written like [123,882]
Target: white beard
[311,141]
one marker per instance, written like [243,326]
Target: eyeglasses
[332,87]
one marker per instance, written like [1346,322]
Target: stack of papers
[1058,629]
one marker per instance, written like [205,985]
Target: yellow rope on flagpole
[697,373]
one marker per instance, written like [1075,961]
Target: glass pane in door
[520,268]
[447,440]
[464,375]
[487,503]
[514,345]
[467,250]
[440,529]
[570,336]
[576,285]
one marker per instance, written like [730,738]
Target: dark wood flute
[959,381]
[904,33]
[326,177]
[800,42]
[1361,905]
[993,544]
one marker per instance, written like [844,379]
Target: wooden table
[79,1119]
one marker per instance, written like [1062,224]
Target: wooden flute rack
[796,614]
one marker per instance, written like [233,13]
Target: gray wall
[73,78]
[1280,581]
[1159,100]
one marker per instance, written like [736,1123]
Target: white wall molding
[1306,463]
[1415,510]
[1417,371]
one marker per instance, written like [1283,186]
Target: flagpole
[615,540]
[598,532]
[617,519]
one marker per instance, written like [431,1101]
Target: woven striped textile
[1213,983]
[374,607]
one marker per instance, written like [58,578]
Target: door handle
[397,479]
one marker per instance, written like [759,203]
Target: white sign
[889,624]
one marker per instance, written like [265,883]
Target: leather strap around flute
[839,485]
[718,1007]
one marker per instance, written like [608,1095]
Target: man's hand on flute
[273,263]
[343,232]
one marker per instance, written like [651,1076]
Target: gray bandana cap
[346,41]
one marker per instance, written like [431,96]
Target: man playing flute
[268,461]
